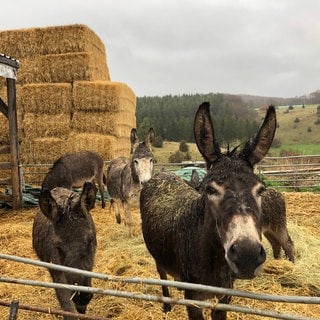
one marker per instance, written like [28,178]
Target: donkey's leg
[128,217]
[116,207]
[101,190]
[281,238]
[282,235]
[194,313]
[165,290]
[63,295]
[275,244]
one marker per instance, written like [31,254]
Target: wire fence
[153,298]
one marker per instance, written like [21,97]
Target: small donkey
[73,169]
[64,233]
[125,176]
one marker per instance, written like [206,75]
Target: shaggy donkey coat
[211,237]
[64,233]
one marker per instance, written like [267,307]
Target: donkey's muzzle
[246,257]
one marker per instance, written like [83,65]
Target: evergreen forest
[172,117]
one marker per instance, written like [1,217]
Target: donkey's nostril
[263,255]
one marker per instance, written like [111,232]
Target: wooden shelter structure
[8,70]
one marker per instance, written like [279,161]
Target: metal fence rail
[177,284]
[290,173]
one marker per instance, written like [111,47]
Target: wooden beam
[14,145]
[6,198]
[3,108]
[6,182]
[5,150]
[5,165]
[9,61]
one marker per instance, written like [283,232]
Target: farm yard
[82,102]
[119,255]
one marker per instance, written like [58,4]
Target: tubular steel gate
[14,305]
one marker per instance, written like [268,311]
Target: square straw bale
[41,150]
[20,43]
[123,147]
[46,125]
[65,67]
[103,96]
[29,42]
[45,98]
[103,122]
[105,145]
[70,38]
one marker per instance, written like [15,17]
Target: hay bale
[46,125]
[41,150]
[45,98]
[106,145]
[47,150]
[29,42]
[103,96]
[115,124]
[64,67]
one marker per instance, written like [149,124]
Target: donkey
[125,176]
[73,169]
[64,233]
[274,223]
[213,236]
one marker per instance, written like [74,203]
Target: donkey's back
[74,169]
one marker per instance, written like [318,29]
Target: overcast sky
[159,47]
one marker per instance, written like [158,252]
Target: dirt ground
[119,255]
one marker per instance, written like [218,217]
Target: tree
[144,127]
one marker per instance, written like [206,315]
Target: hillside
[300,137]
[297,130]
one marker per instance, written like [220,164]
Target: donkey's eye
[212,191]
[151,160]
[260,190]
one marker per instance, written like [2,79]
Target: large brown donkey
[125,176]
[64,233]
[213,236]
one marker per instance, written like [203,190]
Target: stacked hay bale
[65,99]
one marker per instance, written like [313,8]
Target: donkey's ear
[256,148]
[48,205]
[134,136]
[195,179]
[88,195]
[150,138]
[134,139]
[204,134]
